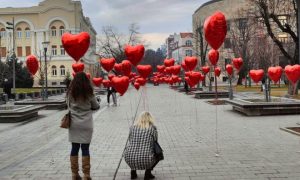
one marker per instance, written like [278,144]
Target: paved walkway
[241,147]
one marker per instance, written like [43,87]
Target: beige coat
[81,129]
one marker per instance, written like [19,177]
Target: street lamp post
[45,46]
[11,25]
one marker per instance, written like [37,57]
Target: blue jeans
[84,149]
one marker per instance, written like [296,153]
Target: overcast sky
[156,18]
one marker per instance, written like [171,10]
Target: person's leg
[133,174]
[86,166]
[114,98]
[74,161]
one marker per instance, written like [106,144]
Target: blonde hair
[145,120]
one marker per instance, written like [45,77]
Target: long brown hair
[80,88]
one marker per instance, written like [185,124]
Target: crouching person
[139,153]
[81,102]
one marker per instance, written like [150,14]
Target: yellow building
[47,22]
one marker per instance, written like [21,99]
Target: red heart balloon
[275,73]
[229,69]
[97,81]
[169,62]
[237,63]
[160,68]
[190,82]
[126,67]
[136,85]
[110,76]
[32,64]
[169,70]
[176,69]
[76,45]
[134,53]
[78,67]
[217,71]
[88,75]
[183,65]
[141,81]
[118,68]
[256,75]
[108,63]
[213,56]
[120,84]
[195,77]
[106,83]
[205,69]
[144,70]
[215,30]
[292,73]
[191,62]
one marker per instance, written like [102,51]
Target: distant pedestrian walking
[82,102]
[186,87]
[7,88]
[111,92]
[139,153]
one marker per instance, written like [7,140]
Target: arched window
[53,31]
[54,71]
[19,32]
[61,30]
[27,32]
[3,32]
[62,70]
[188,43]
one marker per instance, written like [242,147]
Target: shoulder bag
[66,120]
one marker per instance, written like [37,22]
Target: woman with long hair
[139,154]
[82,102]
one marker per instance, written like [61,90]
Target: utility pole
[11,25]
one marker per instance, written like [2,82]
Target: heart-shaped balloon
[176,69]
[110,76]
[256,75]
[292,73]
[169,62]
[237,63]
[106,83]
[118,68]
[195,77]
[205,69]
[183,65]
[120,84]
[97,81]
[32,64]
[160,68]
[169,70]
[108,63]
[190,82]
[76,45]
[217,71]
[229,69]
[215,30]
[78,67]
[141,81]
[136,85]
[190,62]
[144,70]
[134,53]
[213,56]
[126,67]
[275,73]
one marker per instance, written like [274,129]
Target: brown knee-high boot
[86,167]
[75,168]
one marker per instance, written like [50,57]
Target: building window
[19,33]
[188,43]
[62,70]
[228,25]
[54,50]
[62,50]
[62,83]
[242,23]
[28,50]
[54,83]
[188,52]
[27,32]
[53,31]
[227,43]
[19,52]
[54,71]
[61,30]
[3,32]
[282,19]
[3,52]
